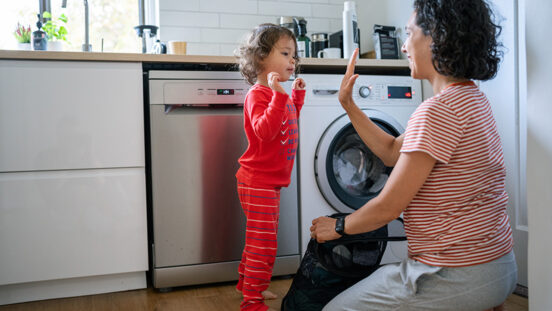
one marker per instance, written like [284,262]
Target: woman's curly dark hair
[258,46]
[464,37]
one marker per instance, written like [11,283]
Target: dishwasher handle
[324,92]
[172,107]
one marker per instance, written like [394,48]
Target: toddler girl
[267,58]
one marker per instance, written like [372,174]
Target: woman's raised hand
[346,89]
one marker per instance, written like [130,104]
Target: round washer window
[355,174]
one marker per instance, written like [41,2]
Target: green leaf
[46,14]
[63,18]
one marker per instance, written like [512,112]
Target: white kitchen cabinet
[72,179]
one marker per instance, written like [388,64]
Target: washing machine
[337,171]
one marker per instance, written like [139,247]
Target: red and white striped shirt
[458,217]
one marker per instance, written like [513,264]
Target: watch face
[340,225]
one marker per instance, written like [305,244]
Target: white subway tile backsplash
[336,25]
[216,27]
[194,48]
[229,6]
[238,21]
[217,35]
[328,10]
[168,33]
[190,19]
[187,5]
[285,8]
[307,1]
[317,25]
[227,49]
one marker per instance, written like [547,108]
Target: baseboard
[32,291]
[164,278]
[522,291]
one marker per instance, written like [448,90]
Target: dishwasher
[195,139]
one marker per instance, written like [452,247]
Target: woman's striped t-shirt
[458,217]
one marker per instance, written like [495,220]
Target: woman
[448,176]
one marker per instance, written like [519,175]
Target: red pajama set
[270,123]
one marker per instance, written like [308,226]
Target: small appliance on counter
[148,34]
[319,43]
[336,41]
[39,37]
[386,42]
[289,22]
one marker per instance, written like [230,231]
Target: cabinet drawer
[67,115]
[64,224]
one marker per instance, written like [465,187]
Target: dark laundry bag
[329,268]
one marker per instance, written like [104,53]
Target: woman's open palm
[346,89]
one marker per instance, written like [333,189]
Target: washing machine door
[347,172]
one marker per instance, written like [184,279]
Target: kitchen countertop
[165,58]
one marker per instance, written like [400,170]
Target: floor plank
[218,297]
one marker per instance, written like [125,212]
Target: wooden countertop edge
[165,58]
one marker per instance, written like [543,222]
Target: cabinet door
[67,115]
[64,224]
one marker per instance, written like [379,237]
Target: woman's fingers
[352,62]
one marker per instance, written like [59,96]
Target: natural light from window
[110,21]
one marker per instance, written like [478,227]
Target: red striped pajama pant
[261,206]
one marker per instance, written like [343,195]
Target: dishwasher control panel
[194,92]
[199,88]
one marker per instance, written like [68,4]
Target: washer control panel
[368,89]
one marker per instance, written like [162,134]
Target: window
[110,22]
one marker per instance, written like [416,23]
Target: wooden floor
[196,298]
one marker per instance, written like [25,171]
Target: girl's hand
[323,229]
[298,84]
[346,89]
[274,82]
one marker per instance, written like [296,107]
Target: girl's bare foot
[268,295]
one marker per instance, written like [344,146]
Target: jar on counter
[319,43]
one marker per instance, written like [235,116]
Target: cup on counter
[329,53]
[176,47]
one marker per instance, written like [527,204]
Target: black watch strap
[340,225]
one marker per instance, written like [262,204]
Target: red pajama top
[270,123]
[458,217]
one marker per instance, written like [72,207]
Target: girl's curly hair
[464,37]
[257,46]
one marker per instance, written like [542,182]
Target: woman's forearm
[383,145]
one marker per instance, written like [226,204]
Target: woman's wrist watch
[340,225]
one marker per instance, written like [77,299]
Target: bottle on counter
[350,33]
[303,42]
[39,37]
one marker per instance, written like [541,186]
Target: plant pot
[24,46]
[54,46]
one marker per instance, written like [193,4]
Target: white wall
[539,151]
[388,12]
[215,27]
[502,92]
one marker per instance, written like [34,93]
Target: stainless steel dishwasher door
[197,214]
[198,222]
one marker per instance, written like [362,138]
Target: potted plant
[55,31]
[23,36]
